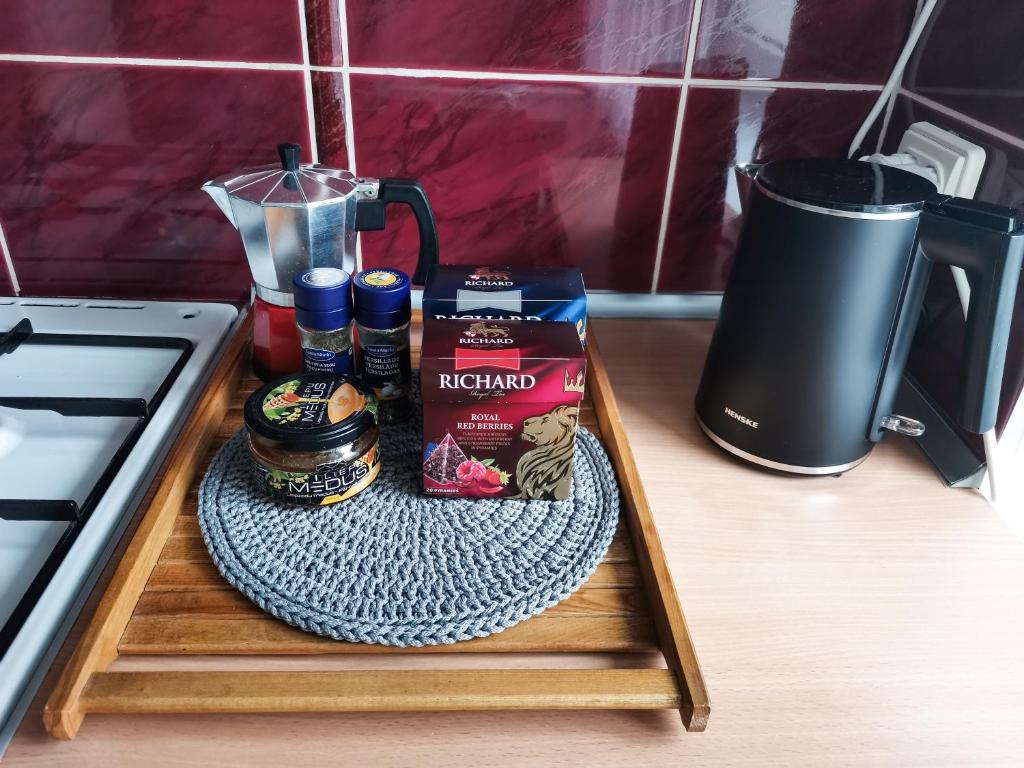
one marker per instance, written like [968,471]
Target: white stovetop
[44,455]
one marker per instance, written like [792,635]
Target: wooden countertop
[876,618]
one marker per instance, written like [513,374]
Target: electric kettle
[820,309]
[294,217]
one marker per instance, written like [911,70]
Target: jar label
[328,484]
[311,404]
[387,369]
[325,361]
[380,278]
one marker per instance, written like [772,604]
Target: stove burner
[61,510]
[13,338]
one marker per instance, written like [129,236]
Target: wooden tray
[167,599]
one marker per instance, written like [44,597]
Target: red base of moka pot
[275,340]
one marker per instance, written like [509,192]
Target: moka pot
[293,217]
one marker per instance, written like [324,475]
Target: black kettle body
[820,309]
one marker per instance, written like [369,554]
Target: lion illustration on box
[485,330]
[545,472]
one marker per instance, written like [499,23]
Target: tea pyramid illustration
[441,463]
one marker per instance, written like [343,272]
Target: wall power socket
[956,162]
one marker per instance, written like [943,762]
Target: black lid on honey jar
[311,411]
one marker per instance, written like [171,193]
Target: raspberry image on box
[500,407]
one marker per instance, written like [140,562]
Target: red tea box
[500,407]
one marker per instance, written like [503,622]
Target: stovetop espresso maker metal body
[820,310]
[294,217]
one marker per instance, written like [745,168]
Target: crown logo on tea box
[487,273]
[485,330]
[574,384]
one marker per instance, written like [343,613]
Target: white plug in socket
[957,162]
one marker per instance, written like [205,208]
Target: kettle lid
[289,184]
[857,186]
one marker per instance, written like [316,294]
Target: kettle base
[778,465]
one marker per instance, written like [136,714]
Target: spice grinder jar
[323,316]
[383,310]
[313,438]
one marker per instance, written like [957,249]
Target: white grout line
[691,51]
[444,74]
[677,138]
[778,85]
[977,125]
[9,262]
[308,79]
[35,58]
[350,127]
[570,77]
[346,81]
[526,77]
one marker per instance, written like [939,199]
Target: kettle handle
[987,242]
[370,216]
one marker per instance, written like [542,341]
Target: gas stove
[92,394]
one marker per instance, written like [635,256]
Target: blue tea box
[507,293]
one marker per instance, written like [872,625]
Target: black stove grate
[66,510]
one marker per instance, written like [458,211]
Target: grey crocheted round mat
[392,566]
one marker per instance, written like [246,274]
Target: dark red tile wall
[969,60]
[232,30]
[801,40]
[576,176]
[100,168]
[101,158]
[545,131]
[598,37]
[965,77]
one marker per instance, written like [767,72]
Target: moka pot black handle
[370,216]
[987,242]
